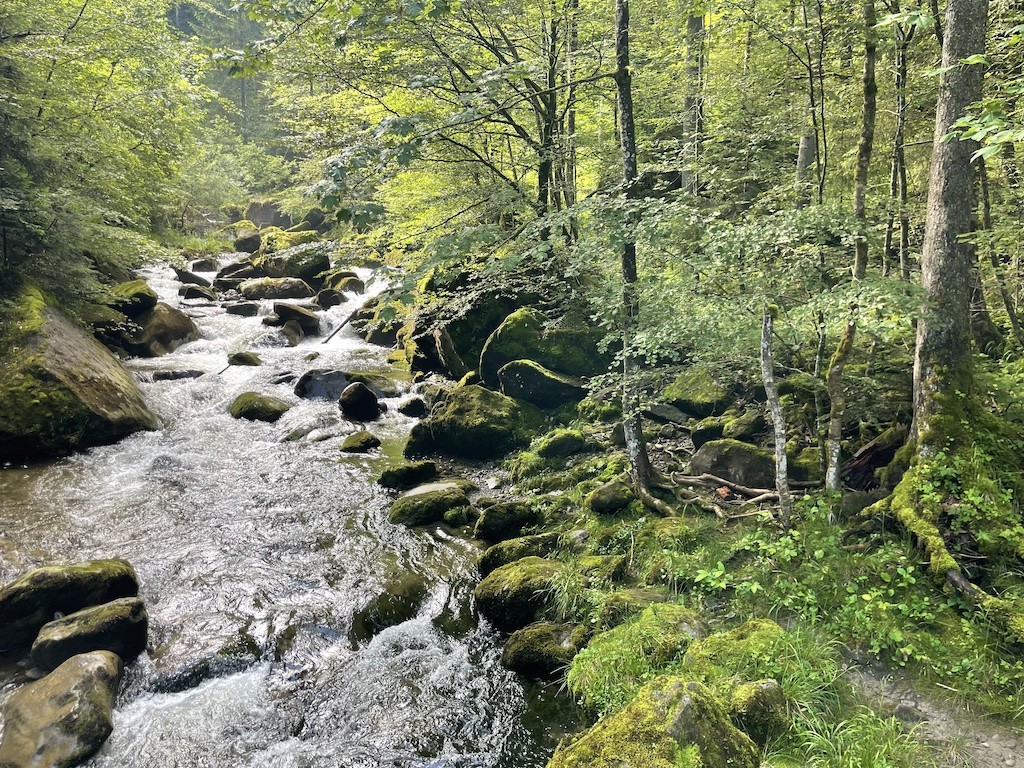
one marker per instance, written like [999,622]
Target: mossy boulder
[62,720]
[805,465]
[189,278]
[275,288]
[671,723]
[609,671]
[256,407]
[515,595]
[561,443]
[623,604]
[706,430]
[725,654]
[359,403]
[523,335]
[505,520]
[119,626]
[278,238]
[31,600]
[335,279]
[160,331]
[197,292]
[602,570]
[428,504]
[133,298]
[533,383]
[746,427]
[304,261]
[415,408]
[543,650]
[244,358]
[759,709]
[696,392]
[610,497]
[399,601]
[505,552]
[360,442]
[247,241]
[738,462]
[60,389]
[407,474]
[476,423]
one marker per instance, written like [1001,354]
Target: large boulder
[62,720]
[275,288]
[476,423]
[505,520]
[60,389]
[544,649]
[533,383]
[671,723]
[266,213]
[505,552]
[697,392]
[307,319]
[119,626]
[515,595]
[428,504]
[321,384]
[162,329]
[358,402]
[305,262]
[523,336]
[31,600]
[247,241]
[407,474]
[190,278]
[256,407]
[741,463]
[133,298]
[360,442]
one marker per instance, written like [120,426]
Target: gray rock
[358,403]
[162,329]
[307,320]
[243,309]
[189,278]
[276,288]
[321,384]
[120,626]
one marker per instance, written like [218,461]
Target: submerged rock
[256,407]
[60,389]
[63,719]
[120,626]
[428,504]
[275,288]
[671,723]
[244,358]
[31,600]
[514,595]
[292,332]
[399,602]
[543,649]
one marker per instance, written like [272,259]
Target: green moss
[610,497]
[539,545]
[602,570]
[726,653]
[514,595]
[623,604]
[477,423]
[543,649]
[561,443]
[256,407]
[360,442]
[696,392]
[428,504]
[407,474]
[759,709]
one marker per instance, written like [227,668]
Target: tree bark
[838,405]
[867,139]
[693,107]
[778,420]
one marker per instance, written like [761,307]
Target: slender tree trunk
[867,139]
[837,396]
[994,260]
[633,426]
[899,254]
[693,107]
[778,420]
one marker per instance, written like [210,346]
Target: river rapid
[259,558]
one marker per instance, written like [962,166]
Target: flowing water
[260,560]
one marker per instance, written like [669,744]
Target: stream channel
[258,558]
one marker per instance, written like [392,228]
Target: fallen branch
[345,322]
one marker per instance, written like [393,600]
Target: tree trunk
[867,139]
[693,108]
[632,425]
[838,401]
[778,420]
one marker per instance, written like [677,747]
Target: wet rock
[229,284]
[739,462]
[759,709]
[177,375]
[420,442]
[328,298]
[533,383]
[244,358]
[543,650]
[292,332]
[248,241]
[697,392]
[321,384]
[197,292]
[476,423]
[670,722]
[275,288]
[509,551]
[162,329]
[665,413]
[32,600]
[427,504]
[205,265]
[307,320]
[63,719]
[350,285]
[380,384]
[61,390]
[273,320]
[505,520]
[120,626]
[336,277]
[415,408]
[189,278]
[360,442]
[133,298]
[515,595]
[358,403]
[256,407]
[610,497]
[398,603]
[241,269]
[304,261]
[407,474]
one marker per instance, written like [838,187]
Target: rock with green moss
[335,278]
[697,392]
[60,389]
[538,545]
[476,423]
[610,497]
[275,288]
[244,358]
[543,650]
[706,430]
[515,595]
[671,723]
[407,474]
[607,673]
[360,442]
[120,626]
[505,520]
[523,335]
[533,383]
[304,261]
[256,407]
[738,462]
[133,298]
[561,443]
[427,504]
[746,427]
[63,719]
[602,570]
[806,465]
[759,709]
[623,604]
[31,600]
[247,241]
[399,601]
[160,331]
[737,651]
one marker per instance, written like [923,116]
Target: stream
[258,558]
